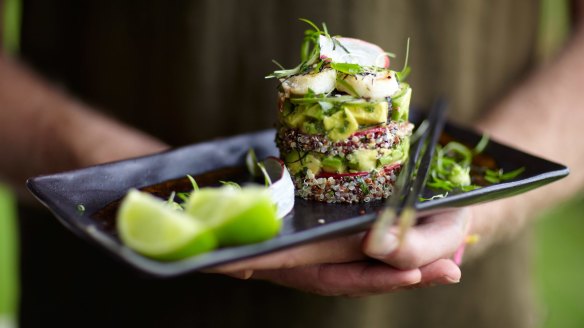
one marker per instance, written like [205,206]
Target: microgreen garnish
[309,52]
[309,22]
[267,179]
[403,74]
[232,184]
[193,183]
[312,62]
[278,64]
[171,198]
[251,161]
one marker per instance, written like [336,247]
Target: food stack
[343,127]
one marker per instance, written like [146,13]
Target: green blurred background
[559,267]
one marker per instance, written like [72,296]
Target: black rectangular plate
[98,186]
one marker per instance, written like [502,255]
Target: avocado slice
[295,118]
[311,128]
[340,125]
[396,154]
[305,117]
[363,160]
[292,161]
[401,103]
[333,164]
[368,113]
[312,162]
[313,111]
[296,161]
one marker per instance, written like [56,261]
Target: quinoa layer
[375,138]
[355,188]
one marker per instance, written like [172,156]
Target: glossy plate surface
[85,200]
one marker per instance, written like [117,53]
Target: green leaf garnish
[184,196]
[193,183]
[172,204]
[500,176]
[251,162]
[512,175]
[403,74]
[438,196]
[309,22]
[278,64]
[481,145]
[347,68]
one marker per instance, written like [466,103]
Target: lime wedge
[236,216]
[149,226]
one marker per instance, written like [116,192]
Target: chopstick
[411,180]
[436,119]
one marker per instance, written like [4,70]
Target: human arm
[44,130]
[542,116]
[534,117]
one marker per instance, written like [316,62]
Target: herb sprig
[309,52]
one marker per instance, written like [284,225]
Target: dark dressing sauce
[106,217]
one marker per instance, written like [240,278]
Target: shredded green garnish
[481,145]
[251,162]
[422,199]
[451,167]
[500,176]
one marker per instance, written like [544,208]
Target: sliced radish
[375,130]
[336,176]
[359,52]
[282,187]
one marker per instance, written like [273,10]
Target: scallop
[319,82]
[373,85]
